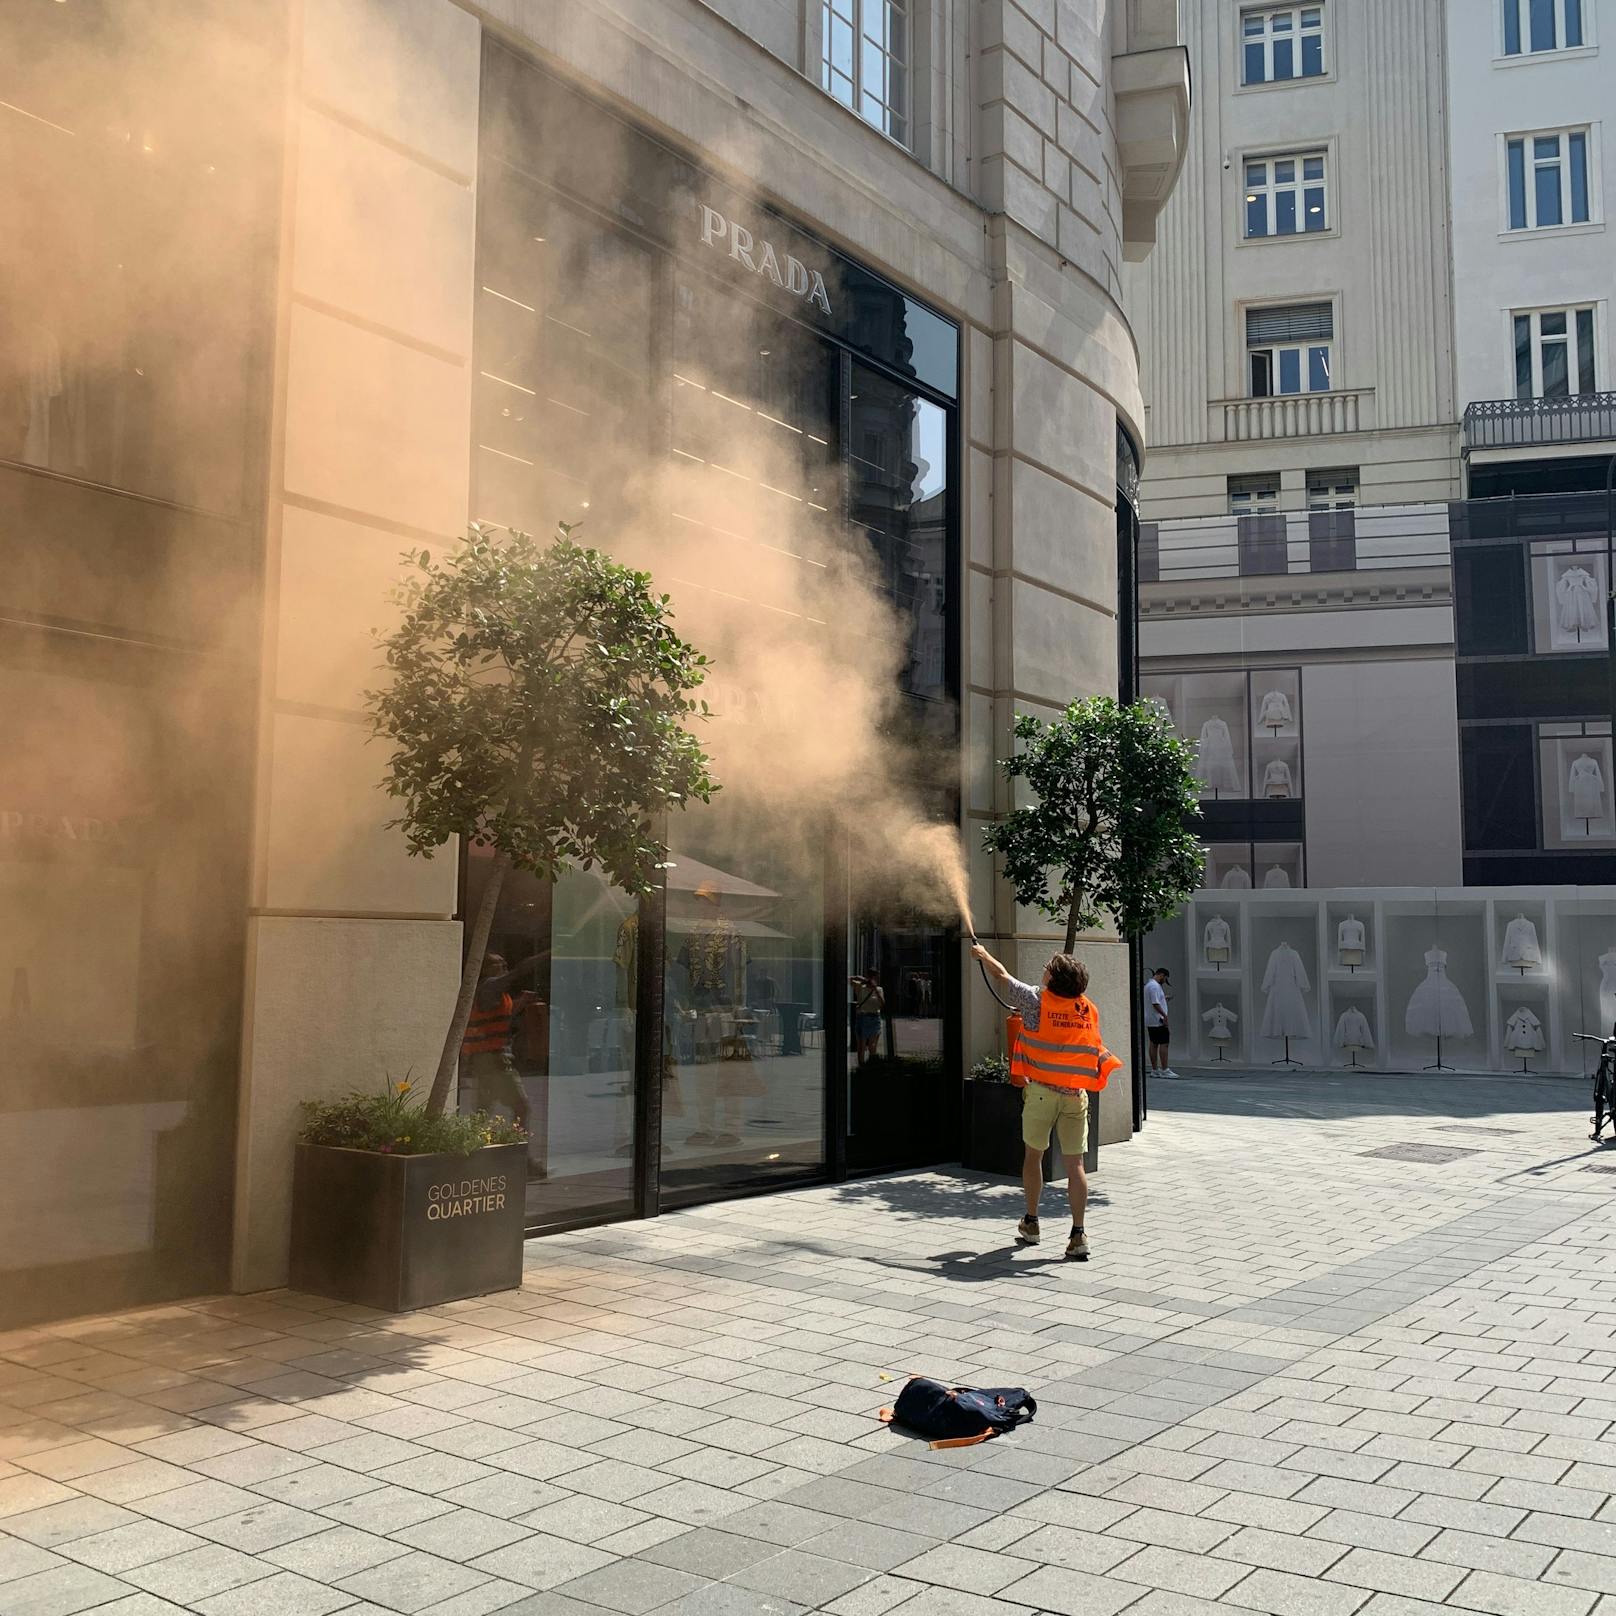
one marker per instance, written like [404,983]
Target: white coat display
[1276,779]
[1349,939]
[1285,982]
[1217,940]
[1587,785]
[1352,1030]
[1576,601]
[1220,1020]
[1436,1009]
[1215,758]
[1523,1031]
[1275,712]
[1520,944]
[1275,878]
[1236,880]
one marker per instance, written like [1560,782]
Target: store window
[1533,26]
[1280,43]
[1548,178]
[132,296]
[865,60]
[1285,194]
[1555,353]
[1288,349]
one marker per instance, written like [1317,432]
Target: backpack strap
[962,1441]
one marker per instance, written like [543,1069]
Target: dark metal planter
[402,1232]
[992,1142]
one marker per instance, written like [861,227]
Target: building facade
[346,313]
[1374,569]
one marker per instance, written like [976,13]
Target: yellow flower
[404,1087]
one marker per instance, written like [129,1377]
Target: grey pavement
[1347,1347]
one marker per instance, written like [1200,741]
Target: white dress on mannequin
[1275,878]
[1237,880]
[1523,1032]
[1275,712]
[1220,1020]
[1587,784]
[1215,758]
[1276,779]
[1576,597]
[1520,943]
[1349,940]
[1217,942]
[1285,982]
[1352,1030]
[1436,1009]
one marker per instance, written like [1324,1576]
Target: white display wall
[1496,972]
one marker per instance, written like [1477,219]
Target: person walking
[486,1067]
[1057,1060]
[869,1004]
[1157,1028]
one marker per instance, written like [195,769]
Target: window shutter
[1290,322]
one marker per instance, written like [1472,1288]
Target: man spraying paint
[1057,1060]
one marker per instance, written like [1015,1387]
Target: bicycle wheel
[1603,1100]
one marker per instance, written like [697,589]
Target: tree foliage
[1112,828]
[538,704]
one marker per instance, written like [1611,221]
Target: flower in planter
[390,1123]
[991,1069]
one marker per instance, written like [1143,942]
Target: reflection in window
[864,60]
[1554,353]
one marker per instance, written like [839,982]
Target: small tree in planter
[538,706]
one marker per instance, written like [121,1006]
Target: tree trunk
[476,947]
[1071,920]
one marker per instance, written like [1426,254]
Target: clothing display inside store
[1586,784]
[1220,1020]
[1436,1008]
[1576,601]
[1275,879]
[1352,1030]
[1275,712]
[1285,982]
[1217,941]
[1215,758]
[1523,1032]
[1521,950]
[1236,880]
[1276,779]
[1607,988]
[1349,941]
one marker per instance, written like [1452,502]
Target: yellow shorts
[1065,1112]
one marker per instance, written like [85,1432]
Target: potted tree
[1111,833]
[539,707]
[992,1142]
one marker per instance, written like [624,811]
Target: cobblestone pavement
[1345,1346]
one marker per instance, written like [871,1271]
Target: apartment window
[1332,490]
[1282,42]
[865,60]
[1288,349]
[1548,179]
[1260,530]
[1542,25]
[1285,195]
[1332,539]
[1254,495]
[1554,353]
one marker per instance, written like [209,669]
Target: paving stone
[1279,1593]
[1050,1588]
[1395,1574]
[541,1561]
[135,1544]
[61,1591]
[632,1586]
[186,1578]
[281,1594]
[1280,1551]
[1511,1596]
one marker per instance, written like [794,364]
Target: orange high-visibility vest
[1065,1052]
[488,1032]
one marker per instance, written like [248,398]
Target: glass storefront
[641,349]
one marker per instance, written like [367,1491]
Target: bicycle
[1604,1082]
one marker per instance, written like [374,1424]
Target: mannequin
[1220,1020]
[1349,942]
[1576,597]
[1285,1014]
[1436,1008]
[1523,1032]
[1520,945]
[1215,758]
[1587,787]
[1217,943]
[1276,779]
[1237,880]
[1353,1033]
[1607,987]
[1275,879]
[1275,712]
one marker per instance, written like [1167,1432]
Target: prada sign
[758,255]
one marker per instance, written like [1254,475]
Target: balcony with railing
[1530,423]
[1293,415]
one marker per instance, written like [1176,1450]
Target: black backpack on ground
[957,1416]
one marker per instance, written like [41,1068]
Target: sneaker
[1167,1071]
[1077,1248]
[1027,1232]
